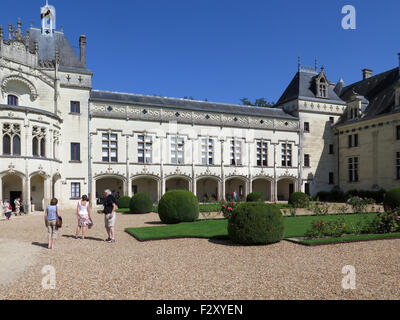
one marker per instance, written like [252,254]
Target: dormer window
[322,88]
[321,85]
[12,100]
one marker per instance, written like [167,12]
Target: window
[398,165]
[262,153]
[353,140]
[12,100]
[75,190]
[322,90]
[145,149]
[177,149]
[16,145]
[353,169]
[306,127]
[207,151]
[307,188]
[6,145]
[75,107]
[331,149]
[306,160]
[75,152]
[236,153]
[35,147]
[110,147]
[43,147]
[398,132]
[286,155]
[39,142]
[332,120]
[331,180]
[11,139]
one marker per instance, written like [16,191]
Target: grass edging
[346,239]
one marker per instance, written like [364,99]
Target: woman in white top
[83,215]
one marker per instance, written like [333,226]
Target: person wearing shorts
[7,209]
[110,214]
[50,218]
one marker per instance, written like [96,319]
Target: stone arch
[11,186]
[286,185]
[31,89]
[238,184]
[264,185]
[115,182]
[149,184]
[208,187]
[178,182]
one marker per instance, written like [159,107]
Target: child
[7,209]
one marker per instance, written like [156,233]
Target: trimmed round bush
[256,223]
[178,206]
[124,202]
[255,197]
[298,199]
[141,203]
[392,200]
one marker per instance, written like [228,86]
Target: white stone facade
[62,139]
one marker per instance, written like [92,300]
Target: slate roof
[302,87]
[176,103]
[378,90]
[48,46]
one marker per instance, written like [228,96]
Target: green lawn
[294,227]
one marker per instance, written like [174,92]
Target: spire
[48,16]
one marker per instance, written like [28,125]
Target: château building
[60,138]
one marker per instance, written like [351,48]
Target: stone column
[128,180]
[163,186]
[47,192]
[159,191]
[194,186]
[222,171]
[220,196]
[93,194]
[1,198]
[27,195]
[129,186]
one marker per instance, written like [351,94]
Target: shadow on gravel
[223,240]
[43,245]
[86,238]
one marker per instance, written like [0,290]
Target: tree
[261,102]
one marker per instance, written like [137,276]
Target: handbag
[91,224]
[59,222]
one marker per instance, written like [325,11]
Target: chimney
[82,46]
[367,73]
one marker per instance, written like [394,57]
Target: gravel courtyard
[185,268]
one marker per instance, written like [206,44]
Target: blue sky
[218,49]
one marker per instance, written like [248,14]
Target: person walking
[110,214]
[235,198]
[50,219]
[7,209]
[17,203]
[83,214]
